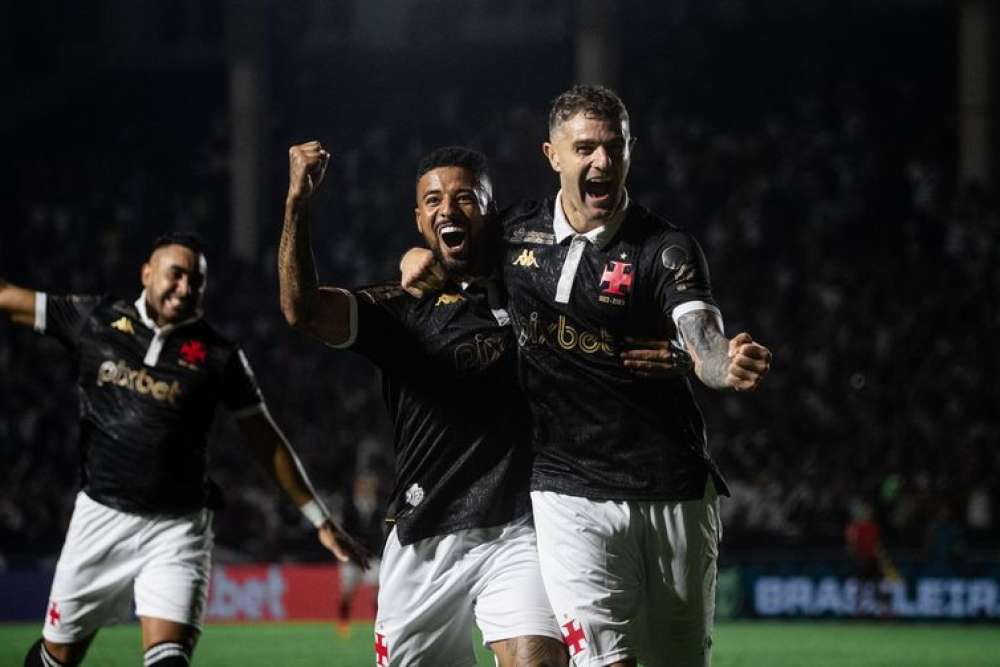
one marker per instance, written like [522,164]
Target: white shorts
[631,578]
[107,551]
[431,593]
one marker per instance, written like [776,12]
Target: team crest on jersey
[53,614]
[526,260]
[415,495]
[616,282]
[574,637]
[124,325]
[192,354]
[448,299]
[381,650]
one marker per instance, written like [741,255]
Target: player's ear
[416,218]
[146,274]
[551,154]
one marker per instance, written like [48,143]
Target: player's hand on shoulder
[749,362]
[343,545]
[306,167]
[420,272]
[655,359]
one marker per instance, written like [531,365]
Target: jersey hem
[448,530]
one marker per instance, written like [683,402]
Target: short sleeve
[379,330]
[63,317]
[682,279]
[240,393]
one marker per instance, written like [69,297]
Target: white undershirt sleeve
[41,303]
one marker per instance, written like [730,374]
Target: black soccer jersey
[147,400]
[449,367]
[600,431]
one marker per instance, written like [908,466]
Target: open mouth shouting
[600,192]
[453,238]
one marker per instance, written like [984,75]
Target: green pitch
[737,644]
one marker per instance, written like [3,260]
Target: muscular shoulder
[209,334]
[527,218]
[662,241]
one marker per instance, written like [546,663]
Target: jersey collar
[600,236]
[140,306]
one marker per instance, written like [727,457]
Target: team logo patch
[415,495]
[381,650]
[573,637]
[193,353]
[448,299]
[675,259]
[526,260]
[616,281]
[53,614]
[124,325]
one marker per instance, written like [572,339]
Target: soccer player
[624,492]
[151,374]
[462,548]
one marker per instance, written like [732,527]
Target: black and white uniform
[623,488]
[462,549]
[142,521]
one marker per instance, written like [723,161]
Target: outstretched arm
[273,452]
[320,311]
[420,272]
[738,364]
[17,302]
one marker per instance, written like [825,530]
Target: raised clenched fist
[749,362]
[306,167]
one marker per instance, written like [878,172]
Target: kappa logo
[192,353]
[448,299]
[54,615]
[526,260]
[574,637]
[381,650]
[124,325]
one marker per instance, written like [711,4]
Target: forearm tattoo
[708,347]
[296,267]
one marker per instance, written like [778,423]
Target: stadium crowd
[831,236]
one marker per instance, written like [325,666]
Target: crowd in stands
[831,236]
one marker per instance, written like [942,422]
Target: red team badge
[54,615]
[193,353]
[573,637]
[381,651]
[618,277]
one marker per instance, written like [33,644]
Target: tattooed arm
[323,312]
[720,363]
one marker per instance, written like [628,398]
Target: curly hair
[455,156]
[596,101]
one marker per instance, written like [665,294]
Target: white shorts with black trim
[109,554]
[431,593]
[631,579]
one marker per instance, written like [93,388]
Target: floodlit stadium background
[835,159]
